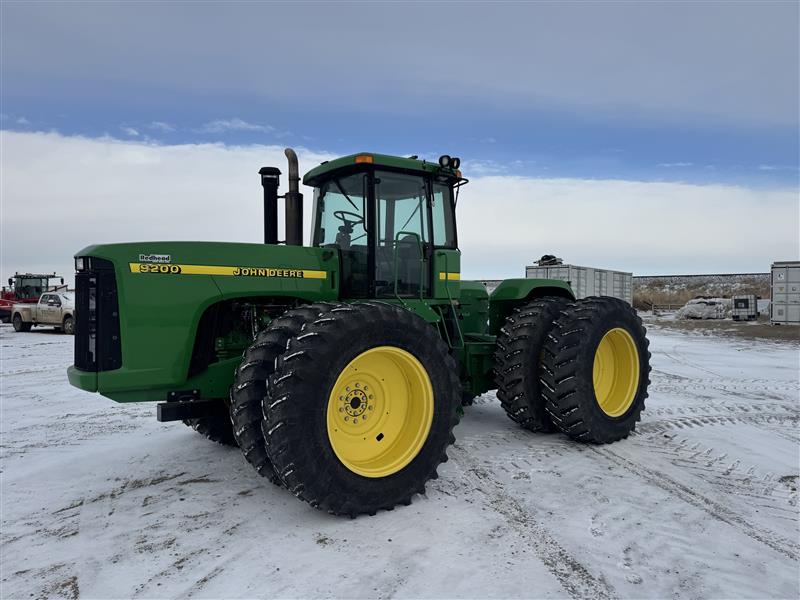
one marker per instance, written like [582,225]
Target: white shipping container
[785,301]
[587,281]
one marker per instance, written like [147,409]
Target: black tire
[216,429]
[19,325]
[250,383]
[68,326]
[567,369]
[520,344]
[296,406]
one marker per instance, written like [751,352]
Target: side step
[182,410]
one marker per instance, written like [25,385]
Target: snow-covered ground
[101,501]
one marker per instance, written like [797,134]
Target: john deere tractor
[340,368]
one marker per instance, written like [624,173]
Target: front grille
[97,338]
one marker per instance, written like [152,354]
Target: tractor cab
[28,287]
[392,222]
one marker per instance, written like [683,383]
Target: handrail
[450,299]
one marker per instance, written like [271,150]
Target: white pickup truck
[54,309]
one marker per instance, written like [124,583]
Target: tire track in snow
[573,576]
[689,422]
[754,486]
[698,500]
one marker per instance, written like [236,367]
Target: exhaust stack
[293,222]
[294,203]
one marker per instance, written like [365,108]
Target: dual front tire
[357,407]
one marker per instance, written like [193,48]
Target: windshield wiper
[341,191]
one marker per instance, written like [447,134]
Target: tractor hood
[255,269]
[151,297]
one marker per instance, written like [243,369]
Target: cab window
[444,227]
[402,215]
[341,212]
[340,217]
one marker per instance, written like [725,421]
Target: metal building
[587,281]
[784,307]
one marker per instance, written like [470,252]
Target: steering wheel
[343,214]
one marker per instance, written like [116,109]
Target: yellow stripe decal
[170,269]
[450,276]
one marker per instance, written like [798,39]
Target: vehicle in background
[26,288]
[54,309]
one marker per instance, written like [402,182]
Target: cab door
[47,309]
[446,255]
[402,238]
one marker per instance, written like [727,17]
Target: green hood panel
[165,287]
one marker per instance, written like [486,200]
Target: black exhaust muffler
[270,180]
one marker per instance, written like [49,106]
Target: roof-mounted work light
[444,161]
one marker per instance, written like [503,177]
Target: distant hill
[678,289]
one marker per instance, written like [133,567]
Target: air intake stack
[270,180]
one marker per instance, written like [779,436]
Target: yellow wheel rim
[616,372]
[380,411]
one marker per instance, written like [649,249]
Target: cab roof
[354,161]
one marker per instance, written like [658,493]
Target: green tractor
[340,368]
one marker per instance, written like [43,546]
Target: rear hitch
[188,405]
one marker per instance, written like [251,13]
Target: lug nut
[347,418]
[347,388]
[341,409]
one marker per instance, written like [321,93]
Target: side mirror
[10,281]
[62,281]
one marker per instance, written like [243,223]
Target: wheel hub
[356,402]
[615,372]
[380,411]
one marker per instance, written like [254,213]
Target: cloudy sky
[647,137]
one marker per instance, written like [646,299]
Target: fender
[512,293]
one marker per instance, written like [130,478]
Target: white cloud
[130,131]
[777,168]
[107,190]
[644,227]
[675,164]
[161,126]
[223,125]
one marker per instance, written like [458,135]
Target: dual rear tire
[578,367]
